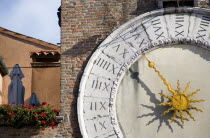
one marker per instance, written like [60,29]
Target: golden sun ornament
[179,102]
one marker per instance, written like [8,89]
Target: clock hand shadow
[156,110]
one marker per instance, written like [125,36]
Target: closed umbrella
[33,101]
[16,89]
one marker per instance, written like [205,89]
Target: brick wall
[7,132]
[85,24]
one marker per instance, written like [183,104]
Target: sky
[34,18]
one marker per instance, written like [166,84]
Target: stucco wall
[46,85]
[13,52]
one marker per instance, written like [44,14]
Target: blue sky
[34,18]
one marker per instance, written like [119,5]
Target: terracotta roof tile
[45,52]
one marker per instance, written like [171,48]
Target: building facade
[39,74]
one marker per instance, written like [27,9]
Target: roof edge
[28,38]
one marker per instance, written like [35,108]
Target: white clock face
[102,104]
[137,99]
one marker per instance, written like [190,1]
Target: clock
[119,94]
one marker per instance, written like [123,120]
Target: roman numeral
[106,86]
[102,105]
[97,106]
[102,126]
[93,106]
[117,47]
[160,35]
[155,22]
[206,18]
[96,84]
[157,28]
[103,64]
[136,36]
[179,18]
[205,21]
[95,127]
[201,36]
[124,53]
[108,66]
[131,44]
[179,33]
[100,85]
[203,27]
[141,42]
[113,69]
[179,25]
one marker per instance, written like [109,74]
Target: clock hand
[179,102]
[152,65]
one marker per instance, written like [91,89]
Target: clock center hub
[180,102]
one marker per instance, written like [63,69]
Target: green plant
[24,115]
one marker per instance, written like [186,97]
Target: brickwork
[85,24]
[7,132]
[204,4]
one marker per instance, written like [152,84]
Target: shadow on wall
[155,111]
[144,6]
[25,132]
[84,47]
[83,50]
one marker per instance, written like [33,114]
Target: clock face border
[107,66]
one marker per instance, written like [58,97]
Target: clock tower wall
[84,25]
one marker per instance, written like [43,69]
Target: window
[176,3]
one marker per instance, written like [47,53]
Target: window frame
[161,5]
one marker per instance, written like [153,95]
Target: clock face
[119,92]
[137,100]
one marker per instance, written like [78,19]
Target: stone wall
[85,24]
